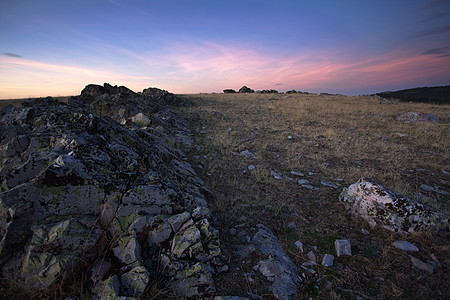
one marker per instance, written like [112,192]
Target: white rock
[251,167]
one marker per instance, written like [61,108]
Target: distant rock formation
[245,89]
[229,91]
[101,182]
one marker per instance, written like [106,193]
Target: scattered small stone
[247,153]
[251,167]
[328,260]
[222,269]
[405,246]
[311,174]
[311,256]
[232,231]
[289,137]
[276,175]
[329,184]
[365,232]
[429,267]
[343,247]
[303,182]
[299,245]
[292,225]
[297,173]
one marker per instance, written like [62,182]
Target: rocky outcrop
[101,181]
[414,117]
[383,207]
[246,89]
[229,91]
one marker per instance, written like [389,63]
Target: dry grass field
[337,139]
[333,138]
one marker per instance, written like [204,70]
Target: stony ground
[253,149]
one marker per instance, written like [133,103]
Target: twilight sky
[56,47]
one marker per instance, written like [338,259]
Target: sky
[56,47]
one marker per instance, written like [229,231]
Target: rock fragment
[343,248]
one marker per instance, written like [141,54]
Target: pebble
[251,167]
[427,267]
[311,256]
[297,173]
[232,231]
[299,245]
[365,232]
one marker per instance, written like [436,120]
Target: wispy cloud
[441,52]
[12,55]
[432,31]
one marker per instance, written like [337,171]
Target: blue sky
[349,47]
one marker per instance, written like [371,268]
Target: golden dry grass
[333,138]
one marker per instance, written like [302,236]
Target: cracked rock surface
[102,180]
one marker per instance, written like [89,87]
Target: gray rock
[383,207]
[429,267]
[311,256]
[343,247]
[99,270]
[108,289]
[135,281]
[299,245]
[329,184]
[190,240]
[79,178]
[297,173]
[413,117]
[251,167]
[303,182]
[128,250]
[278,268]
[247,153]
[245,251]
[405,246]
[276,175]
[177,221]
[328,260]
[160,234]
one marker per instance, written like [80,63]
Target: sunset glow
[56,48]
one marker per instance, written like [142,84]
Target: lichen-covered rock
[278,268]
[380,206]
[135,281]
[100,178]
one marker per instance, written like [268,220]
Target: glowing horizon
[207,47]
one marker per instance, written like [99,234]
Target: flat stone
[247,153]
[343,248]
[311,256]
[328,260]
[160,234]
[329,184]
[405,246]
[251,167]
[128,251]
[100,269]
[297,173]
[303,182]
[177,221]
[423,266]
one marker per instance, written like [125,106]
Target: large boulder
[380,206]
[76,186]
